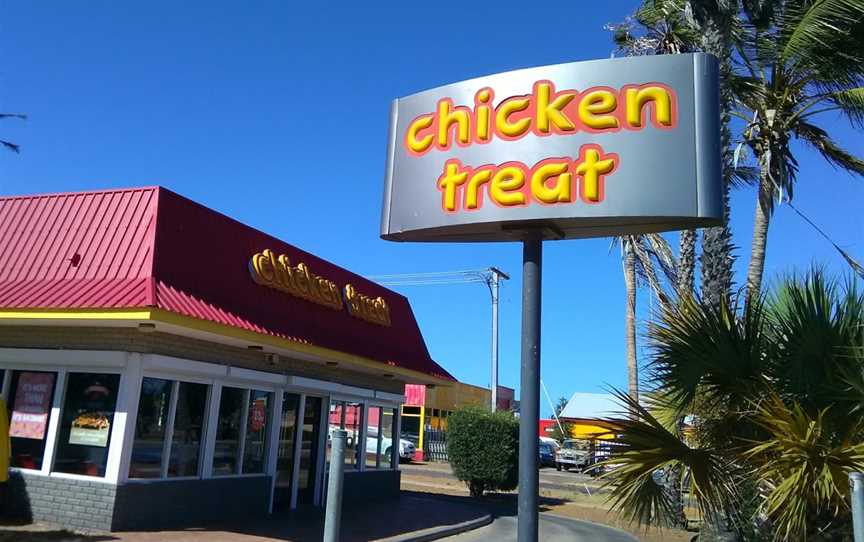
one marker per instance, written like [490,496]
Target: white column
[273,443]
[210,434]
[169,429]
[397,438]
[298,447]
[54,422]
[123,432]
[244,426]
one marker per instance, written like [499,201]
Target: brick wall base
[73,504]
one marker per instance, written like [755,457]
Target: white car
[406,447]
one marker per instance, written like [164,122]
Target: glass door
[285,453]
[309,450]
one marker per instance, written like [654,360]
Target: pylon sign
[583,149]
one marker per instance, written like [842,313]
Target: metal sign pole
[333,515]
[856,480]
[529,405]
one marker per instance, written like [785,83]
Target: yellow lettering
[420,123]
[561,192]
[448,183]
[552,111]
[478,179]
[483,114]
[502,117]
[505,186]
[593,108]
[446,118]
[591,169]
[637,98]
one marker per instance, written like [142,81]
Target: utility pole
[490,276]
[493,277]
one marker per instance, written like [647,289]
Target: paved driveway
[552,529]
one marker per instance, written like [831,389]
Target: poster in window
[258,415]
[90,429]
[32,404]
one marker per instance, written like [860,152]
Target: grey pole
[492,279]
[856,480]
[333,516]
[494,384]
[529,404]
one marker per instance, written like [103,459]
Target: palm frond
[803,466]
[641,448]
[819,139]
[851,103]
[706,351]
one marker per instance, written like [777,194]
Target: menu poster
[90,429]
[32,404]
[258,415]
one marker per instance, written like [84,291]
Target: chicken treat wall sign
[575,150]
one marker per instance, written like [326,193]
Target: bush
[484,449]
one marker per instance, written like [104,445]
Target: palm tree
[8,144]
[659,27]
[774,390]
[800,58]
[641,256]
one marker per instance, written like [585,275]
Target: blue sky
[243,107]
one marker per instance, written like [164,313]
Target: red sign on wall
[32,404]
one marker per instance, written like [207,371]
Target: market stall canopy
[151,248]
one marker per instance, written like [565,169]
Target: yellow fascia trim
[168,317]
[75,314]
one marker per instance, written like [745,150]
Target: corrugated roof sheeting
[90,249]
[104,250]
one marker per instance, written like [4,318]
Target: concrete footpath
[552,529]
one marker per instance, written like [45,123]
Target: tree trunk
[630,319]
[760,238]
[686,262]
[717,257]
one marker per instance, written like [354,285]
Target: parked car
[547,455]
[572,455]
[406,447]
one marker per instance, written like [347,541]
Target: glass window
[228,429]
[285,450]
[257,417]
[336,420]
[373,433]
[31,395]
[150,428]
[2,378]
[388,421]
[188,429]
[353,421]
[85,423]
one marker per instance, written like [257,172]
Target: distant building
[585,413]
[427,408]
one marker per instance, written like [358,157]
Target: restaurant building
[165,365]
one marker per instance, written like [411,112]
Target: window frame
[168,439]
[64,362]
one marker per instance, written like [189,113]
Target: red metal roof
[149,247]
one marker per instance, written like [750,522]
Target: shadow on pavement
[15,535]
[412,511]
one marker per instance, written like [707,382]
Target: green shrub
[484,449]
